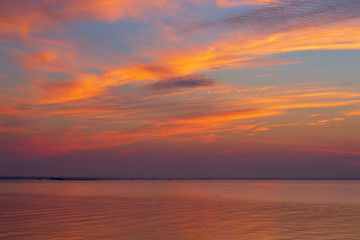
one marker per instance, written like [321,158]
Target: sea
[180,209]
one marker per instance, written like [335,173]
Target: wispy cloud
[353,113]
[70,99]
[288,15]
[232,3]
[189,81]
[19,18]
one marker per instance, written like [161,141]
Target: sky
[180,88]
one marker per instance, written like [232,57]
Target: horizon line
[171,178]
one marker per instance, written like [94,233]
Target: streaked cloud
[234,113]
[353,113]
[231,83]
[288,15]
[189,81]
[233,3]
[19,18]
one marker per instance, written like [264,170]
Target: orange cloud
[53,60]
[232,3]
[204,115]
[226,151]
[5,110]
[241,113]
[229,116]
[353,113]
[238,51]
[21,18]
[234,52]
[261,129]
[86,86]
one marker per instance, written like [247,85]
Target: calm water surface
[180,210]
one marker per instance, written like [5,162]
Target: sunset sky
[180,88]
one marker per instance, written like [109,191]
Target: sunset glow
[180,88]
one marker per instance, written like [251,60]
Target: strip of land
[155,178]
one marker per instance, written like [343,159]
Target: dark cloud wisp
[188,81]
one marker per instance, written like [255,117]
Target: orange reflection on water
[180,210]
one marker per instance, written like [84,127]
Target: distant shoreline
[161,179]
